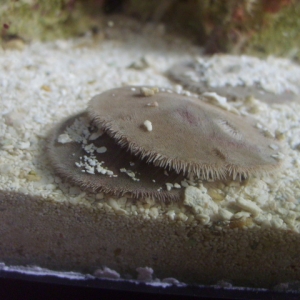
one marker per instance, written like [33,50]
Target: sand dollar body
[186,134]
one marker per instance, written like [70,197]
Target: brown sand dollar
[84,156]
[183,133]
[192,75]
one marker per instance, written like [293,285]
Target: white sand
[47,82]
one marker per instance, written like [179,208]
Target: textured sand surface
[248,233]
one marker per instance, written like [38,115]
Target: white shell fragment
[200,201]
[152,104]
[148,125]
[149,91]
[249,206]
[278,156]
[219,101]
[101,149]
[64,138]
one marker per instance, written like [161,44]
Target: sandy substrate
[248,233]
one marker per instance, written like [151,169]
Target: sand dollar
[183,133]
